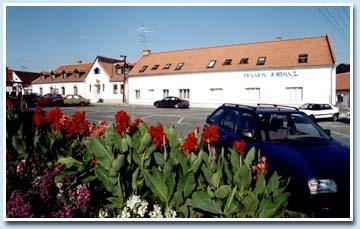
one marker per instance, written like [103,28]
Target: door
[96,92]
[227,127]
[76,99]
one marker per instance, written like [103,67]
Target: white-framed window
[64,75]
[211,64]
[151,93]
[53,76]
[75,90]
[77,74]
[165,93]
[252,93]
[137,94]
[41,90]
[122,89]
[103,87]
[216,94]
[119,70]
[294,93]
[62,90]
[115,88]
[184,93]
[90,87]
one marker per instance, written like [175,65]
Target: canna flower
[190,144]
[260,167]
[210,134]
[135,125]
[53,117]
[122,120]
[157,135]
[38,118]
[239,146]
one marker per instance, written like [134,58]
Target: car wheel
[335,117]
[156,105]
[176,106]
[82,104]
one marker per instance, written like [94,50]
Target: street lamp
[123,60]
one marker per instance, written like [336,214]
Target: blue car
[296,147]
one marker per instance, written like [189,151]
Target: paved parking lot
[184,120]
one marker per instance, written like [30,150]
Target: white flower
[169,213]
[102,214]
[124,213]
[133,201]
[142,209]
[156,213]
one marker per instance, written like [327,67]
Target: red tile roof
[343,81]
[27,77]
[278,53]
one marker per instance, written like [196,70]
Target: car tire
[82,104]
[156,105]
[176,106]
[335,117]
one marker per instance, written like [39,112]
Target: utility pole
[123,60]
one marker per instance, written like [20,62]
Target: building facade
[290,72]
[19,82]
[343,89]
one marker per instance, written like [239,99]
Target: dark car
[296,147]
[30,99]
[172,101]
[50,100]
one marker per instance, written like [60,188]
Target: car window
[326,107]
[305,106]
[214,116]
[245,123]
[303,126]
[47,96]
[230,119]
[317,107]
[76,97]
[68,97]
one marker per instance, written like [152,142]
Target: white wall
[317,83]
[101,79]
[69,88]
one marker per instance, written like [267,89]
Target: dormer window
[64,75]
[227,62]
[179,66]
[119,70]
[261,60]
[53,76]
[96,71]
[211,64]
[42,77]
[167,66]
[155,67]
[244,60]
[303,58]
[143,68]
[77,74]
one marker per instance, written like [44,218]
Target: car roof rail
[239,105]
[277,105]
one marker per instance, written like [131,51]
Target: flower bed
[63,166]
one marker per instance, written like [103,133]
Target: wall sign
[278,74]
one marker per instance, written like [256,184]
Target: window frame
[259,62]
[115,89]
[167,66]
[211,64]
[179,66]
[244,60]
[303,58]
[227,62]
[75,88]
[96,71]
[155,67]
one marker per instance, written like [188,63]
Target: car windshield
[288,126]
[304,106]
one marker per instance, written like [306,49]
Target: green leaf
[109,137]
[280,204]
[202,201]
[250,204]
[102,175]
[242,178]
[250,157]
[178,199]
[187,183]
[159,158]
[86,154]
[215,179]
[115,201]
[273,184]
[157,186]
[235,161]
[134,177]
[117,164]
[168,167]
[142,128]
[124,146]
[88,179]
[128,141]
[170,182]
[19,145]
[223,191]
[100,152]
[260,185]
[198,161]
[207,173]
[231,206]
[184,163]
[144,142]
[69,162]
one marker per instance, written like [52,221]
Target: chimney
[146,52]
[277,38]
[78,61]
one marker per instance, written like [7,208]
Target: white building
[291,72]
[19,82]
[100,80]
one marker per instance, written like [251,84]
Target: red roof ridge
[249,43]
[73,64]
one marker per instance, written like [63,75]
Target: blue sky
[41,38]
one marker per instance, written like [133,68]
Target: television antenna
[142,31]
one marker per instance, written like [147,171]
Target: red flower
[122,121]
[53,117]
[77,125]
[135,125]
[38,118]
[157,135]
[260,167]
[190,144]
[210,134]
[239,146]
[98,130]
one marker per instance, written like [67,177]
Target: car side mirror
[328,132]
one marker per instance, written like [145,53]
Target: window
[143,68]
[244,60]
[340,98]
[211,64]
[246,124]
[303,58]
[230,119]
[53,76]
[115,88]
[103,87]
[51,89]
[155,67]
[90,87]
[68,97]
[41,91]
[77,74]
[294,93]
[122,89]
[42,77]
[218,113]
[167,66]
[76,97]
[151,93]
[62,90]
[326,107]
[184,93]
[227,62]
[127,70]
[137,94]
[253,93]
[96,71]
[119,70]
[179,66]
[64,75]
[165,93]
[216,94]
[75,90]
[261,60]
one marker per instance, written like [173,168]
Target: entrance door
[96,92]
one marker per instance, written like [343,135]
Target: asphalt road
[184,120]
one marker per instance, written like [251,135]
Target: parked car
[50,100]
[172,101]
[76,100]
[347,115]
[319,111]
[296,147]
[30,99]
